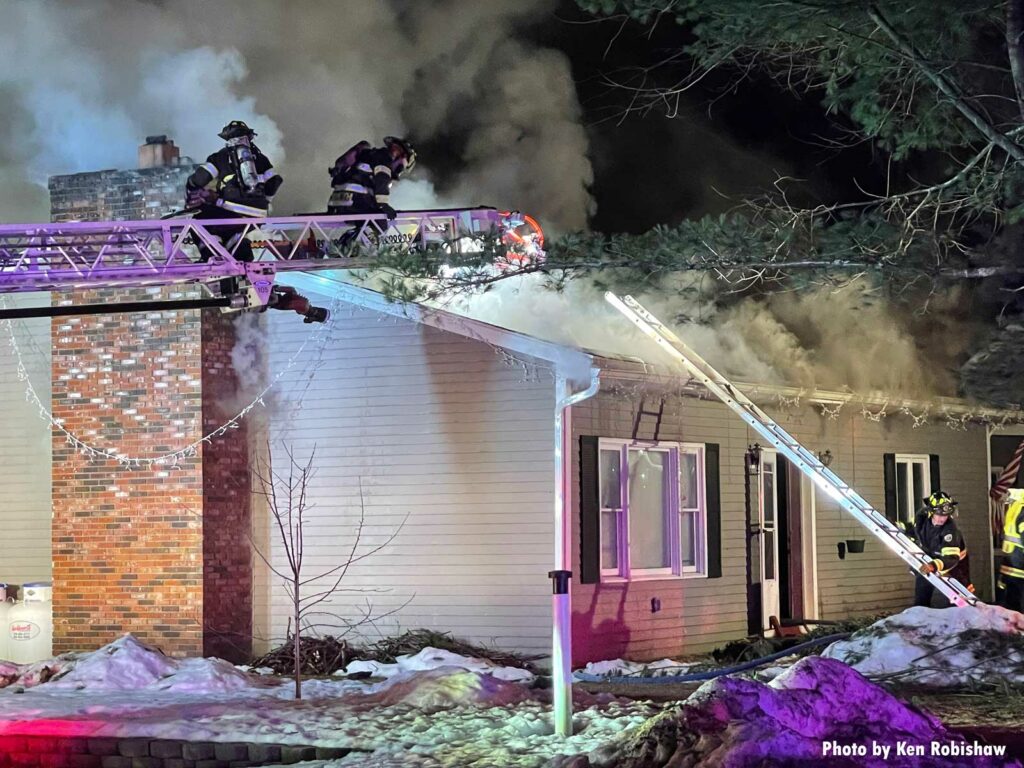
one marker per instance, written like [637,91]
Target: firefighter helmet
[940,503]
[235,130]
[407,149]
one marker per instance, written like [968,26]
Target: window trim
[910,459]
[623,572]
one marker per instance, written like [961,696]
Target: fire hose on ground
[696,677]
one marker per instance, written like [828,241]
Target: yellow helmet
[940,503]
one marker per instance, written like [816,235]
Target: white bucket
[30,625]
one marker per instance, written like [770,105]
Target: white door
[768,508]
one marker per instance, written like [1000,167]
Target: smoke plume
[84,83]
[818,339]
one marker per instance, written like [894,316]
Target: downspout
[561,603]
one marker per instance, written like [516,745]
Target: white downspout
[561,605]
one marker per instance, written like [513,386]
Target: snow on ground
[622,668]
[439,711]
[435,709]
[819,712]
[939,647]
[431,658]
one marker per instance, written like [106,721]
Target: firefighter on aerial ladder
[361,178]
[936,532]
[237,182]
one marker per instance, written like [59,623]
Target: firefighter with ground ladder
[936,532]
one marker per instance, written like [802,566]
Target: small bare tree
[288,502]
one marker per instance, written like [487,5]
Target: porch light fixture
[825,457]
[754,454]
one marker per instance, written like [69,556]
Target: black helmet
[407,149]
[940,503]
[235,130]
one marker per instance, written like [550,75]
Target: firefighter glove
[388,211]
[197,197]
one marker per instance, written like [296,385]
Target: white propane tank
[30,624]
[5,608]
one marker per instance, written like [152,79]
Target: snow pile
[433,658]
[127,664]
[431,690]
[819,712]
[623,668]
[939,647]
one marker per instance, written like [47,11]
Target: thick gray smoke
[818,339]
[83,83]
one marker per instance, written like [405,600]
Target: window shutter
[713,496]
[889,477]
[933,467]
[590,512]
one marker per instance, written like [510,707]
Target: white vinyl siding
[25,449]
[444,435]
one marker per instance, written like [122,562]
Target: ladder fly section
[75,255]
[829,482]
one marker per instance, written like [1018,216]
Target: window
[913,484]
[653,510]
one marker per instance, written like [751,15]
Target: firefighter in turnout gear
[1011,571]
[361,178]
[235,182]
[936,532]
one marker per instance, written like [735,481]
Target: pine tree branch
[1015,47]
[947,88]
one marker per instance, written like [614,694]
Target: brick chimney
[158,151]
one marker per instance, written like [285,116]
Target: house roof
[575,363]
[571,362]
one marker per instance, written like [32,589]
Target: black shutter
[889,476]
[713,495]
[933,467]
[590,512]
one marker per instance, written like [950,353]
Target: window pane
[688,535]
[611,489]
[689,493]
[918,488]
[769,496]
[648,523]
[901,492]
[769,555]
[609,540]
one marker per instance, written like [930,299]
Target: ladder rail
[63,256]
[809,464]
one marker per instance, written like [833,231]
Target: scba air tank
[30,624]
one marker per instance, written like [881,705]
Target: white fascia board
[574,364]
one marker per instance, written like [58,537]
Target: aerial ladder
[70,256]
[878,524]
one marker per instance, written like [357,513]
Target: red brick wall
[127,541]
[143,549]
[227,553]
